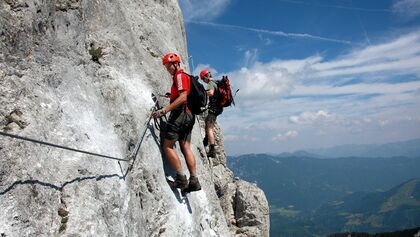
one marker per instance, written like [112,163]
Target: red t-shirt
[181,82]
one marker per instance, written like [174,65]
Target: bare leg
[168,148]
[209,132]
[189,156]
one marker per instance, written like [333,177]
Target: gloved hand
[159,113]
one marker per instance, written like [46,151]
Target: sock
[180,174]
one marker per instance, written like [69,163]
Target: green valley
[315,197]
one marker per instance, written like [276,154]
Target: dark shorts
[214,109]
[180,125]
[211,119]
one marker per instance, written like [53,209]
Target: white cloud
[204,10]
[263,82]
[361,88]
[398,48]
[237,138]
[266,41]
[321,133]
[313,117]
[325,119]
[408,9]
[348,97]
[383,122]
[251,57]
[400,55]
[407,64]
[260,83]
[279,78]
[286,136]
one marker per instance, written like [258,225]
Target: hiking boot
[181,182]
[194,184]
[205,141]
[212,151]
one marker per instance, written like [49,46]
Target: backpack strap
[184,107]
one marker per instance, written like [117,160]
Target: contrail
[362,26]
[336,6]
[277,33]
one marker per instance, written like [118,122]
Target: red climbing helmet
[203,73]
[171,58]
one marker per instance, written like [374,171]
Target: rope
[60,146]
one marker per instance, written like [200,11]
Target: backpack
[197,98]
[224,92]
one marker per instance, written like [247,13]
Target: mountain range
[310,196]
[410,148]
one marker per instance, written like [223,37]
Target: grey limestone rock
[244,204]
[251,209]
[81,73]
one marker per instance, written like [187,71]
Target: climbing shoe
[212,151]
[181,182]
[194,184]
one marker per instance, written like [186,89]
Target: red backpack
[224,92]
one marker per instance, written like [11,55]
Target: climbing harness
[127,159]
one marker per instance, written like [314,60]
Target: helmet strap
[176,67]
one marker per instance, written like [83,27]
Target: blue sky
[311,73]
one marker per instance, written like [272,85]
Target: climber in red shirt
[180,124]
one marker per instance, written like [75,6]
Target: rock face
[244,204]
[80,73]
